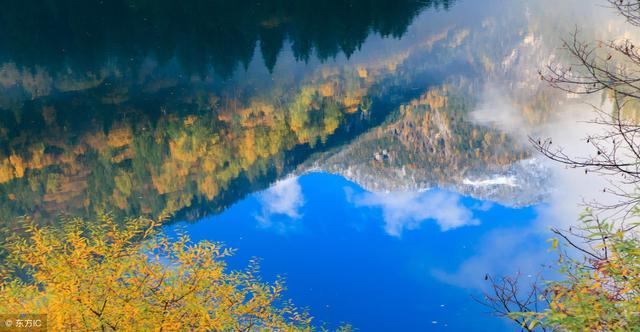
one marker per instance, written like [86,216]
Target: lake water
[374,153]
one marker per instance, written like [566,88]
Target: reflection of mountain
[153,146]
[199,33]
[431,143]
[153,139]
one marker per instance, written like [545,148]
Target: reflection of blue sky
[345,260]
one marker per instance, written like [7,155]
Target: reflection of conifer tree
[172,148]
[198,33]
[271,42]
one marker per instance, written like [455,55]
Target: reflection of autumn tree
[313,116]
[154,164]
[111,148]
[434,130]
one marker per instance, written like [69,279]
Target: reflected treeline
[176,150]
[155,141]
[198,33]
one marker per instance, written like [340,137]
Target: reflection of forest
[100,110]
[158,149]
[143,142]
[198,33]
[81,153]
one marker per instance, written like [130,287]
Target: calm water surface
[380,263]
[374,153]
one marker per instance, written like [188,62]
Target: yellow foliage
[184,148]
[350,101]
[209,187]
[104,276]
[599,293]
[331,123]
[259,113]
[172,177]
[96,140]
[352,109]
[177,151]
[209,164]
[326,90]
[119,136]
[18,165]
[6,171]
[247,148]
[362,73]
[436,98]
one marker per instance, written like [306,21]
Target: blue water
[348,257]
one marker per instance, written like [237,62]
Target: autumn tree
[599,288]
[107,275]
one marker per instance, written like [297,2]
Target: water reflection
[198,34]
[284,198]
[408,210]
[221,114]
[343,258]
[156,141]
[431,142]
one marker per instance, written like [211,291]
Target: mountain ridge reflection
[157,141]
[189,147]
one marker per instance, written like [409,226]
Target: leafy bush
[109,275]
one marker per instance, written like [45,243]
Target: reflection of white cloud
[572,186]
[408,210]
[283,198]
[567,125]
[503,252]
[498,110]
